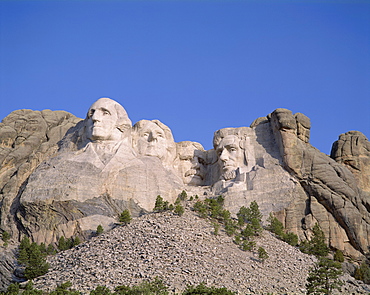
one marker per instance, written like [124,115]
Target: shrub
[230,227]
[248,245]
[99,230]
[216,227]
[145,288]
[290,238]
[64,289]
[183,196]
[202,289]
[125,217]
[179,210]
[338,256]
[15,289]
[101,290]
[363,273]
[5,237]
[262,254]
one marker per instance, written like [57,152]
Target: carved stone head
[233,151]
[191,162]
[153,138]
[107,120]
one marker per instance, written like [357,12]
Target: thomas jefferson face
[192,165]
[152,141]
[102,121]
[230,155]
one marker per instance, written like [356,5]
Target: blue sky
[197,66]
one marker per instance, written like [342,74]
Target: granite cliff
[63,176]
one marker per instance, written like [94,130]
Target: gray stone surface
[353,150]
[63,176]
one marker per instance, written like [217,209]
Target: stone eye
[91,112]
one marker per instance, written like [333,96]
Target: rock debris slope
[182,251]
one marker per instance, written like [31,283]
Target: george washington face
[102,120]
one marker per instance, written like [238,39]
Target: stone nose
[224,155]
[152,136]
[96,117]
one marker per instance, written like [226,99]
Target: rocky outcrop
[62,176]
[333,198]
[353,150]
[27,138]
[7,265]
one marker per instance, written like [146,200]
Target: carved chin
[228,175]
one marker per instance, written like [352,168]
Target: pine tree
[316,246]
[125,217]
[179,210]
[36,265]
[324,277]
[99,230]
[262,254]
[23,250]
[159,204]
[275,226]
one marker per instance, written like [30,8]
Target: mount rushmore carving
[62,176]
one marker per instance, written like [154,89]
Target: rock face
[63,176]
[353,150]
[333,198]
[27,138]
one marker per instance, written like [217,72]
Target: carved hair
[241,133]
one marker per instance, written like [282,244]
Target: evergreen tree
[5,237]
[324,277]
[36,265]
[262,254]
[76,241]
[99,230]
[338,256]
[179,210]
[363,273]
[65,289]
[158,207]
[316,246]
[62,244]
[101,290]
[275,226]
[23,251]
[202,289]
[125,217]
[290,238]
[252,216]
